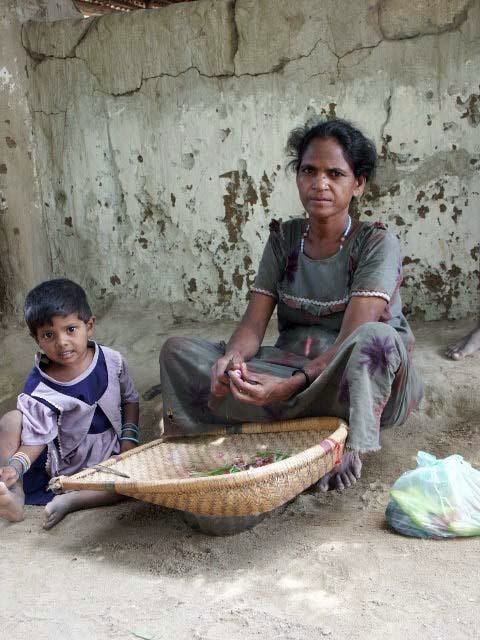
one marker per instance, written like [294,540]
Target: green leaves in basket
[239,464]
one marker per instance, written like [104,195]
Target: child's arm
[130,410]
[131,414]
[19,463]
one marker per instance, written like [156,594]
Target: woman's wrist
[242,350]
[307,381]
[234,354]
[239,354]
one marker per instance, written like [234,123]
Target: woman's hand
[219,380]
[244,343]
[261,388]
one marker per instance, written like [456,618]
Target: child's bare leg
[468,345]
[12,498]
[65,503]
[344,474]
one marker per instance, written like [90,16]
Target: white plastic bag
[438,499]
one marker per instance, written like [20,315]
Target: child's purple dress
[79,421]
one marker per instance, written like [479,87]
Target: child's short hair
[59,297]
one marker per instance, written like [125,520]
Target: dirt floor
[325,567]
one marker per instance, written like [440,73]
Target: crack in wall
[351,51]
[115,167]
[50,113]
[455,25]
[235,32]
[386,139]
[276,69]
[38,57]
[92,24]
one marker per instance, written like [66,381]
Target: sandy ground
[326,567]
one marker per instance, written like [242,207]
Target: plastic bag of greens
[438,499]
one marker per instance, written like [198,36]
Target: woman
[344,344]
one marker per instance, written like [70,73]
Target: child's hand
[126,445]
[8,475]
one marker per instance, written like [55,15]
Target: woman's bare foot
[11,505]
[344,474]
[465,347]
[65,503]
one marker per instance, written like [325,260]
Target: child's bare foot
[465,347]
[57,509]
[11,505]
[65,503]
[344,474]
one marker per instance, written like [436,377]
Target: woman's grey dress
[370,382]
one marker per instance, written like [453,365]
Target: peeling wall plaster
[160,137]
[24,251]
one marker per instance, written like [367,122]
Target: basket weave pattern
[159,472]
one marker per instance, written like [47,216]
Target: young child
[78,407]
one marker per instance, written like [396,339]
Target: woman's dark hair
[359,151]
[59,297]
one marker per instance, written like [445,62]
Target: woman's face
[325,180]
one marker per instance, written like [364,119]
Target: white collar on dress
[41,358]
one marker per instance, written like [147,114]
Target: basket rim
[201,483]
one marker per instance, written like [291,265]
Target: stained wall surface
[159,141]
[24,247]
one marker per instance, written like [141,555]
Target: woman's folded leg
[370,383]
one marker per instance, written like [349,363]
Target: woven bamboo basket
[159,471]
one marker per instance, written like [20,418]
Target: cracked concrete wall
[24,246]
[160,138]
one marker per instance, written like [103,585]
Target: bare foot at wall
[467,346]
[11,507]
[342,475]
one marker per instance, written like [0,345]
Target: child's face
[64,340]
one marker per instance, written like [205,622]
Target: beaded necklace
[343,237]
